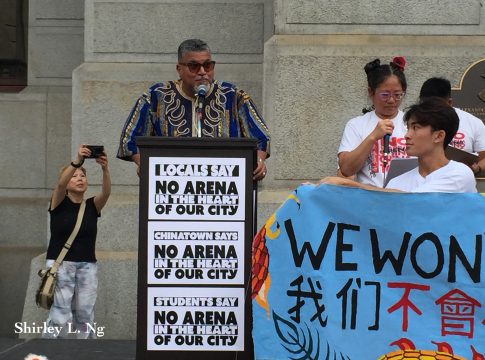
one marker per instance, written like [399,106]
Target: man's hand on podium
[136,159]
[260,172]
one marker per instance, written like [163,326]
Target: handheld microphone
[387,137]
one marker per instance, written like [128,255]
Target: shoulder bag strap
[70,240]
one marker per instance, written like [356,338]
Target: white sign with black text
[182,252]
[195,319]
[196,188]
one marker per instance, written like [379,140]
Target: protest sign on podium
[196,225]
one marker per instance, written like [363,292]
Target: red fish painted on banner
[260,278]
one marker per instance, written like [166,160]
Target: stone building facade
[301,60]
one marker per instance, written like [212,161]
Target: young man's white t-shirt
[454,177]
[357,129]
[471,133]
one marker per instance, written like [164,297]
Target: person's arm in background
[479,166]
[101,199]
[477,127]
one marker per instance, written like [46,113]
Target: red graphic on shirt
[457,310]
[404,302]
[397,149]
[458,141]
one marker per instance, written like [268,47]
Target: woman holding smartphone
[77,281]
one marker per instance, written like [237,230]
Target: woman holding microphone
[361,151]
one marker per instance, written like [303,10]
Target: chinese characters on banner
[196,216]
[338,269]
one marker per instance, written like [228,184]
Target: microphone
[387,137]
[201,91]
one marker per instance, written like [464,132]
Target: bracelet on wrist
[77,165]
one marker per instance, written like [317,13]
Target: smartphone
[96,151]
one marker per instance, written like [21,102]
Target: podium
[196,225]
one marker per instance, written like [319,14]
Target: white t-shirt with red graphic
[455,177]
[471,133]
[357,129]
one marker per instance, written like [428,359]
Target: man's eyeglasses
[386,95]
[194,67]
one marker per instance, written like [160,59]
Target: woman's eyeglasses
[386,95]
[194,67]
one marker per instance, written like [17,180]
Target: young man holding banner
[431,124]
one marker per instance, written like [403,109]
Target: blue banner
[343,273]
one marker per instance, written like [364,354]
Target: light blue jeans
[74,300]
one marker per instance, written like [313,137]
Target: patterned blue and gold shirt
[165,110]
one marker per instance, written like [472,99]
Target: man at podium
[195,105]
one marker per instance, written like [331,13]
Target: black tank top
[62,221]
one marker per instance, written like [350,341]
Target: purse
[44,297]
